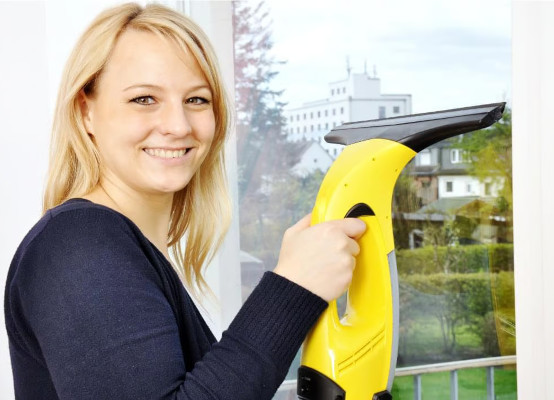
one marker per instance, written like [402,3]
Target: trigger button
[359,210]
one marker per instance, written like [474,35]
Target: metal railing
[289,386]
[453,367]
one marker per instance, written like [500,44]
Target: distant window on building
[304,129]
[327,125]
[488,189]
[469,188]
[342,110]
[298,117]
[382,112]
[334,152]
[344,90]
[425,157]
[326,113]
[304,115]
[332,92]
[315,160]
[455,156]
[311,115]
[396,109]
[449,186]
[298,130]
[319,114]
[318,127]
[334,112]
[334,124]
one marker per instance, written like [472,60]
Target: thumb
[352,227]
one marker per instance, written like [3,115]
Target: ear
[85,104]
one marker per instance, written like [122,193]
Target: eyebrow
[150,86]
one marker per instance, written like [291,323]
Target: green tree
[404,201]
[489,156]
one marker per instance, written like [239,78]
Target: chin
[171,188]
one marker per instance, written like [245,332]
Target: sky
[446,54]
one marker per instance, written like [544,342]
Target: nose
[174,120]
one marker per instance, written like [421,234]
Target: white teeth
[166,153]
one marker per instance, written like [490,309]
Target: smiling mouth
[163,153]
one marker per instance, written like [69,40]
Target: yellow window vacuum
[354,358]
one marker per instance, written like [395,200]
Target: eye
[144,100]
[197,100]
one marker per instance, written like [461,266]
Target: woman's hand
[321,258]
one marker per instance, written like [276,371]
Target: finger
[352,227]
[353,247]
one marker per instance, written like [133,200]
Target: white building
[312,156]
[356,98]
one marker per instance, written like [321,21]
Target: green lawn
[471,385]
[423,344]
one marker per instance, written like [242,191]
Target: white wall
[24,117]
[533,168]
[35,40]
[460,185]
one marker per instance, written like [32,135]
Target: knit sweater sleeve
[106,329]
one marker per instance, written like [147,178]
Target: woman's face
[151,115]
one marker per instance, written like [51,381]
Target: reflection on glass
[455,263]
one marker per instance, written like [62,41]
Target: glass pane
[301,72]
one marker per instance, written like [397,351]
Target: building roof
[446,205]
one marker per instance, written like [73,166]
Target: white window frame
[533,195]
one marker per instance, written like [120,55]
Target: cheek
[116,130]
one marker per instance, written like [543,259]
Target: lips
[166,153]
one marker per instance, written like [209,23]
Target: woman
[94,308]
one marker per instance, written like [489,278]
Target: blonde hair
[201,211]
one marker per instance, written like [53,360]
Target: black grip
[313,385]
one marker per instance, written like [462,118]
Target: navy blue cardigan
[94,311]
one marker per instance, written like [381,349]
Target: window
[488,189]
[318,127]
[304,129]
[304,115]
[455,156]
[424,157]
[311,128]
[429,296]
[298,117]
[311,115]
